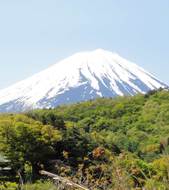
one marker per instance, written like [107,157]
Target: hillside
[120,143]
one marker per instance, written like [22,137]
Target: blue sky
[36,33]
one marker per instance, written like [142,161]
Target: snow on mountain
[83,76]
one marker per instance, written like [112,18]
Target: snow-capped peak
[82,76]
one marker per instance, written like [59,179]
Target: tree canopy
[103,143]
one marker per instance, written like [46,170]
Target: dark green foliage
[48,117]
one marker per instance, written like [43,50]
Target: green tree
[27,141]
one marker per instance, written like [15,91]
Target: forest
[103,144]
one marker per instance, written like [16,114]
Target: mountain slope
[82,76]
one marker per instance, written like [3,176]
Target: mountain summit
[80,77]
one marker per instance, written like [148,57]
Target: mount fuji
[80,77]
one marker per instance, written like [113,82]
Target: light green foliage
[8,186]
[46,185]
[25,140]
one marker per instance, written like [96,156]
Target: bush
[46,185]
